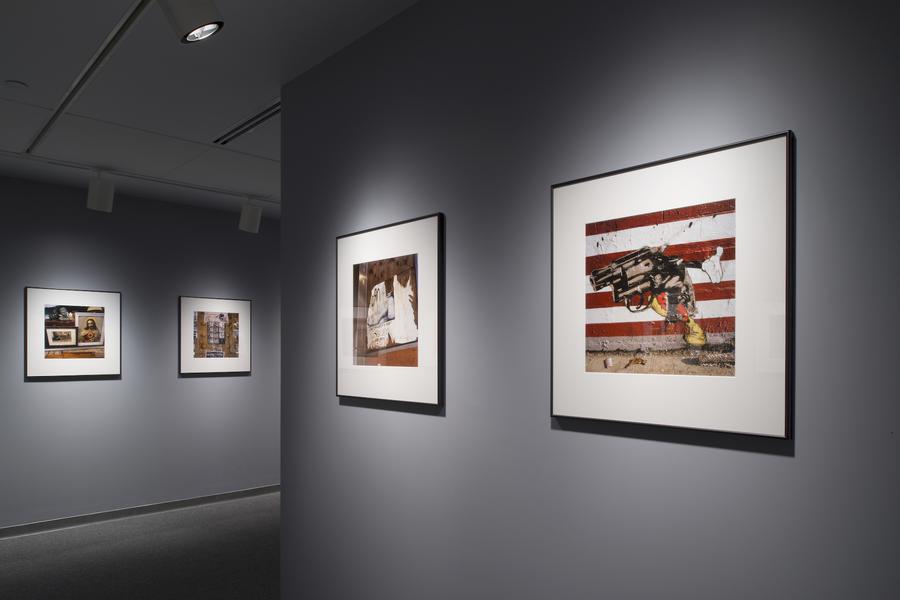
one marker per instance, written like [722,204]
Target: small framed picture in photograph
[72,333]
[90,328]
[214,336]
[390,312]
[60,338]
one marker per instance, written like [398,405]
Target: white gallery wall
[475,109]
[70,448]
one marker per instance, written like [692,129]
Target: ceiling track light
[250,218]
[101,193]
[192,20]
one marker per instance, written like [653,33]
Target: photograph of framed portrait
[89,328]
[72,333]
[214,336]
[654,319]
[390,311]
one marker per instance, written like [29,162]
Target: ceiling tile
[19,123]
[234,171]
[155,105]
[106,145]
[22,166]
[69,34]
[199,91]
[264,140]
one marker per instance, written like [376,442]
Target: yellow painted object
[657,308]
[693,335]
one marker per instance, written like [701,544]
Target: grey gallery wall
[475,109]
[70,448]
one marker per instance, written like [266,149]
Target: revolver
[643,274]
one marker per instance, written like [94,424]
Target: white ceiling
[151,112]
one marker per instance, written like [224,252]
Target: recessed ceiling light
[192,20]
[203,32]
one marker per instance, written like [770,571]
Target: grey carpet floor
[220,551]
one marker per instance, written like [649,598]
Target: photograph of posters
[214,336]
[72,333]
[646,306]
[389,312]
[662,291]
[386,328]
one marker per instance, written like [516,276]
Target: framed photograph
[654,320]
[72,333]
[390,312]
[60,337]
[89,327]
[214,336]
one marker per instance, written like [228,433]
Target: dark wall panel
[72,448]
[475,109]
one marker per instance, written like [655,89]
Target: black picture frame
[181,324]
[81,377]
[440,329]
[571,422]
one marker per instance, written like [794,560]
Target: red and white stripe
[692,233]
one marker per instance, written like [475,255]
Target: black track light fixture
[192,20]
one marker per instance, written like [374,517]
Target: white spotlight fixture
[101,193]
[192,20]
[250,218]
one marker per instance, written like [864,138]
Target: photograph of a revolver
[644,274]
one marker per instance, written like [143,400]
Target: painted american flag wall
[693,233]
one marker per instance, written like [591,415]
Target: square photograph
[660,292]
[216,335]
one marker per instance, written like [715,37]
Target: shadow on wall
[407,407]
[677,435]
